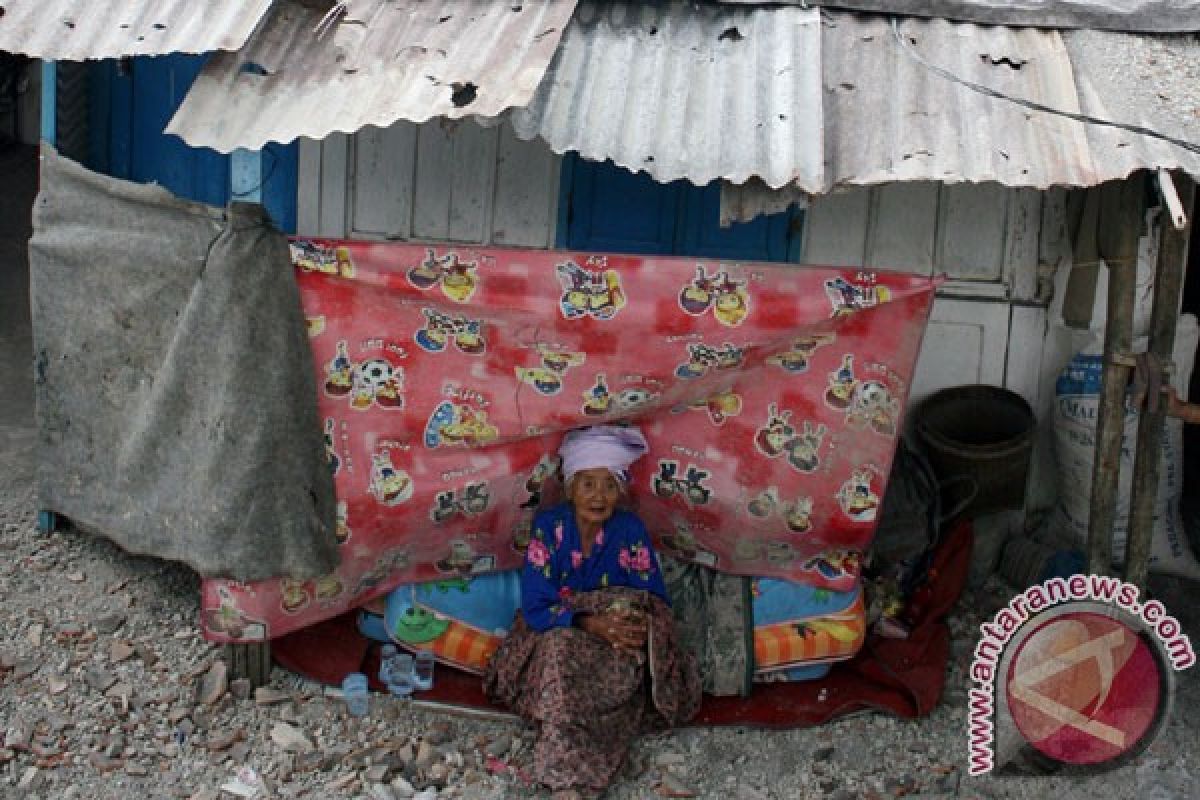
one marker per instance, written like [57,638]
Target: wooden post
[1168,284]
[1120,226]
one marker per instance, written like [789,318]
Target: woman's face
[594,494]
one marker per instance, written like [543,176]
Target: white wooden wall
[440,181]
[986,326]
[459,182]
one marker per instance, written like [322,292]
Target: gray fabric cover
[176,401]
[714,620]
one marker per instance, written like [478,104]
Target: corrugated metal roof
[78,30]
[889,118]
[686,90]
[663,88]
[1157,16]
[382,62]
[1152,81]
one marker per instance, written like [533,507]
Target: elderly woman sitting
[591,658]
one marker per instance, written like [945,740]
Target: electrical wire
[911,51]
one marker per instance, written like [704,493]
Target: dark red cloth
[898,676]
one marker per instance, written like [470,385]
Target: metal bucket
[980,432]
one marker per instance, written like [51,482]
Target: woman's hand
[627,632]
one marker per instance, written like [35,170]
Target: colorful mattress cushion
[463,620]
[800,625]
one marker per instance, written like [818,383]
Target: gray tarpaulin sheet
[176,401]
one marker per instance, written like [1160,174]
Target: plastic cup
[400,675]
[387,658]
[423,670]
[354,692]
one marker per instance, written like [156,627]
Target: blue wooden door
[132,102]
[610,209]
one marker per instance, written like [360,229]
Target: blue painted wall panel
[133,99]
[610,209]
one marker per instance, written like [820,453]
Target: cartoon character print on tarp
[316,257]
[314,326]
[688,483]
[873,406]
[726,297]
[547,377]
[796,359]
[842,383]
[534,491]
[681,542]
[374,381]
[229,620]
[464,423]
[458,278]
[441,329]
[719,406]
[385,566]
[703,357]
[470,501]
[325,591]
[597,401]
[779,437]
[294,595]
[343,531]
[856,496]
[592,290]
[331,456]
[637,398]
[462,559]
[858,294]
[389,486]
[797,515]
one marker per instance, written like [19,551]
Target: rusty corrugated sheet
[78,30]
[682,90]
[382,62]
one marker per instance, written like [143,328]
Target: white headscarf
[607,446]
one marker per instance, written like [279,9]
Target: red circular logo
[1085,688]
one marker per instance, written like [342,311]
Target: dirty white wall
[440,181]
[456,181]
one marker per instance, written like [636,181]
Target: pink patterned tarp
[771,396]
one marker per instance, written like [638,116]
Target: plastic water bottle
[423,671]
[354,692]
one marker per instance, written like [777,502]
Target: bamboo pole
[1120,226]
[1168,285]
